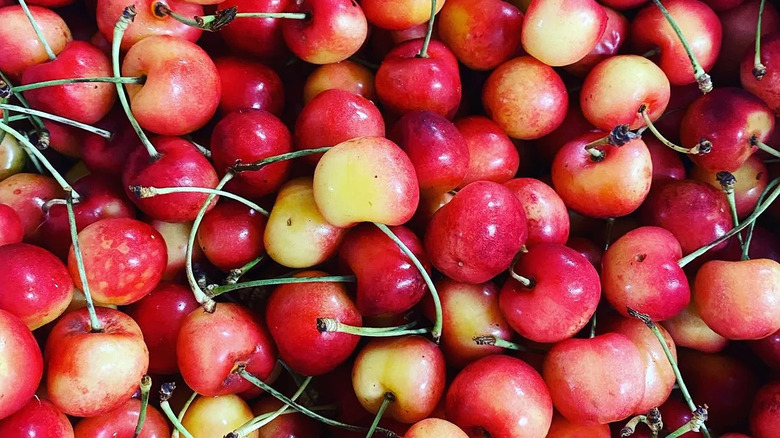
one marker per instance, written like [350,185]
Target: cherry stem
[702,147]
[38,155]
[498,342]
[528,283]
[74,237]
[146,387]
[150,192]
[727,182]
[759,210]
[175,433]
[260,421]
[128,15]
[214,291]
[593,321]
[695,424]
[746,247]
[259,164]
[5,85]
[203,150]
[670,357]
[286,15]
[702,78]
[38,32]
[759,69]
[56,82]
[388,398]
[210,23]
[437,324]
[65,121]
[166,391]
[236,274]
[303,409]
[608,238]
[754,141]
[424,49]
[331,325]
[630,427]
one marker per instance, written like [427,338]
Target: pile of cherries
[406,218]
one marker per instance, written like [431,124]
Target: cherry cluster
[398,218]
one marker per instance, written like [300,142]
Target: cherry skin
[176,236]
[434,427]
[492,155]
[768,350]
[563,428]
[574,124]
[675,413]
[612,40]
[211,344]
[109,156]
[546,215]
[667,163]
[180,165]
[729,118]
[182,88]
[26,193]
[250,135]
[559,32]
[399,14]
[260,37]
[159,315]
[231,235]
[20,45]
[438,150]
[501,396]
[11,230]
[406,82]
[561,279]
[292,424]
[333,31]
[121,423]
[73,382]
[488,36]
[410,369]
[752,178]
[18,346]
[766,88]
[613,185]
[249,84]
[37,287]
[764,420]
[291,313]
[13,157]
[688,330]
[739,23]
[345,75]
[387,280]
[525,97]
[146,22]
[39,417]
[217,416]
[63,138]
[476,235]
[86,103]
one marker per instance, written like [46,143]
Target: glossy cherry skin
[38,418]
[768,350]
[37,287]
[20,47]
[291,425]
[250,135]
[574,124]
[176,235]
[563,428]
[675,412]
[688,330]
[334,31]
[399,14]
[217,416]
[675,205]
[728,118]
[18,347]
[564,294]
[525,97]
[438,150]
[249,84]
[121,423]
[13,157]
[640,271]
[159,315]
[124,260]
[260,37]
[334,116]
[476,235]
[500,395]
[86,103]
[610,43]
[180,165]
[492,155]
[667,163]
[739,23]
[752,178]
[611,187]
[482,34]
[406,82]
[11,230]
[748,289]
[345,75]
[615,367]
[26,193]
[109,156]
[291,313]
[766,88]
[434,427]
[764,419]
[230,335]
[231,235]
[146,22]
[73,382]
[546,215]
[698,23]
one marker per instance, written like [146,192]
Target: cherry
[563,428]
[18,346]
[766,87]
[667,163]
[610,43]
[121,423]
[739,23]
[147,22]
[764,420]
[12,157]
[345,75]
[39,417]
[231,235]
[216,416]
[546,215]
[333,30]
[176,236]
[751,180]
[291,424]
[434,427]
[260,37]
[109,156]
[688,330]
[20,45]
[768,350]
[249,84]
[399,14]
[492,155]
[11,230]
[26,193]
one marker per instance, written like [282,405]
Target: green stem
[146,386]
[149,192]
[702,78]
[260,421]
[38,31]
[257,165]
[333,325]
[74,237]
[219,290]
[236,274]
[388,398]
[55,82]
[702,147]
[285,15]
[424,49]
[128,14]
[759,69]
[36,121]
[608,238]
[764,147]
[498,342]
[65,121]
[180,417]
[306,411]
[630,427]
[746,247]
[166,408]
[209,23]
[203,150]
[437,324]
[727,182]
